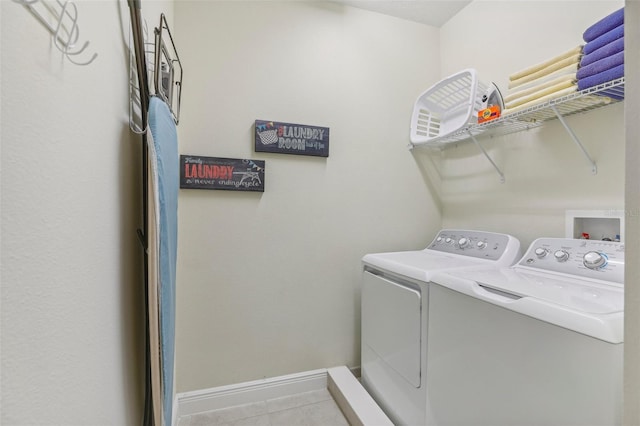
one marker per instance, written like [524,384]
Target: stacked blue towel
[604,25]
[603,59]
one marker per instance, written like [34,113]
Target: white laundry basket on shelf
[447,106]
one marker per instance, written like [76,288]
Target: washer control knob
[439,239]
[463,242]
[561,255]
[448,240]
[594,260]
[541,252]
[481,245]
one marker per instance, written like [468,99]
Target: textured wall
[72,324]
[268,284]
[632,210]
[546,173]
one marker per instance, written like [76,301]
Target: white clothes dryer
[539,343]
[395,297]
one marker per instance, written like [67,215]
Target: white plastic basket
[447,106]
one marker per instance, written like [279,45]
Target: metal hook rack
[168,69]
[163,74]
[137,120]
[60,18]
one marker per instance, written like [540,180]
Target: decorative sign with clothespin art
[288,138]
[197,172]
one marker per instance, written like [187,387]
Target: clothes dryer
[539,343]
[395,298]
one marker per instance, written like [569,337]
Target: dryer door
[391,325]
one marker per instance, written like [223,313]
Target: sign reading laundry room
[197,172]
[288,138]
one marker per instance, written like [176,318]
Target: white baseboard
[250,392]
[354,401]
[175,417]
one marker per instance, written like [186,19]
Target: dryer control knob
[463,242]
[481,245]
[561,255]
[594,260]
[541,252]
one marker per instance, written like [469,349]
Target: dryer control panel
[602,260]
[478,244]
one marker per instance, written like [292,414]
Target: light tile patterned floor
[315,408]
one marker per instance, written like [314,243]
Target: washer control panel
[479,244]
[603,260]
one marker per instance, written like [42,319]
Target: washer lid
[589,307]
[419,265]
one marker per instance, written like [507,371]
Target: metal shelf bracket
[502,179]
[594,167]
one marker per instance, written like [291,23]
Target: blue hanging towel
[165,139]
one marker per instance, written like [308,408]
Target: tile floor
[315,408]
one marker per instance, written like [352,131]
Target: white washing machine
[395,295]
[539,343]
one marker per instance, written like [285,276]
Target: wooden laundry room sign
[197,172]
[289,138]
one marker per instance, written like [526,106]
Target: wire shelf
[575,103]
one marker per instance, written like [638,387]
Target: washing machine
[395,304]
[539,343]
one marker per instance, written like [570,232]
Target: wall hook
[71,10]
[65,31]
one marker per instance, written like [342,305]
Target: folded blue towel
[602,65]
[600,78]
[604,25]
[163,130]
[604,39]
[605,51]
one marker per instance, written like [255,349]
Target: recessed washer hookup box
[605,225]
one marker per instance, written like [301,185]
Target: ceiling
[430,12]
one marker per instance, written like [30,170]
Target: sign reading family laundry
[287,138]
[221,173]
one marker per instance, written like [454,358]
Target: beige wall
[268,284]
[632,209]
[545,171]
[72,322]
